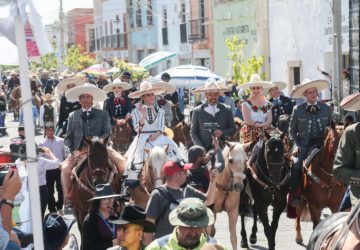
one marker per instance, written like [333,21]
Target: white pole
[31,165]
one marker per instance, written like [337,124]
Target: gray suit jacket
[301,120]
[224,118]
[99,125]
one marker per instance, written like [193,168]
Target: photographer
[10,187]
[211,118]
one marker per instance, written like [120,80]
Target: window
[183,13]
[295,73]
[164,16]
[149,13]
[111,27]
[131,13]
[164,28]
[106,29]
[183,32]
[138,15]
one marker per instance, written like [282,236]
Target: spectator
[16,142]
[238,112]
[173,97]
[48,112]
[35,113]
[53,177]
[2,113]
[102,82]
[190,219]
[130,227]
[165,198]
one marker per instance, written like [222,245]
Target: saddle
[311,155]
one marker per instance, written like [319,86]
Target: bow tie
[312,108]
[86,115]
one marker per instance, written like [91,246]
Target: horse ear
[267,135]
[147,150]
[87,140]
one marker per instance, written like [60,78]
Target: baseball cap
[172,167]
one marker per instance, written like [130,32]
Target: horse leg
[244,243]
[298,238]
[253,238]
[262,211]
[315,214]
[275,221]
[233,217]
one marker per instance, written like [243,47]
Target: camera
[211,126]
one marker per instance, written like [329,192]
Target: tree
[243,69]
[76,59]
[137,73]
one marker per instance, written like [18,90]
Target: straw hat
[226,87]
[98,95]
[62,86]
[147,88]
[279,84]
[48,97]
[116,83]
[161,84]
[351,102]
[298,91]
[211,85]
[255,81]
[169,132]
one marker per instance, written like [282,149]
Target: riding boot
[66,184]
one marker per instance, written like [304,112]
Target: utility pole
[336,76]
[61,49]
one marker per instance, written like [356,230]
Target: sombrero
[147,88]
[161,84]
[48,97]
[255,81]
[75,80]
[298,91]
[226,87]
[279,84]
[211,85]
[351,102]
[117,83]
[98,95]
[169,133]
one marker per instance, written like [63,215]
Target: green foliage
[137,73]
[76,59]
[243,69]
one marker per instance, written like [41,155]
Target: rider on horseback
[307,128]
[85,122]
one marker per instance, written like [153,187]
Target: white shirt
[212,109]
[56,146]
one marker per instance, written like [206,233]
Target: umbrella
[96,69]
[155,58]
[188,76]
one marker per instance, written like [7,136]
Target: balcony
[116,41]
[198,30]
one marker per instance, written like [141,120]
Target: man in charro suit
[211,112]
[307,127]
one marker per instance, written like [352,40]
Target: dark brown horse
[320,189]
[95,169]
[182,134]
[121,137]
[14,101]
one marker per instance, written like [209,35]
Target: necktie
[312,108]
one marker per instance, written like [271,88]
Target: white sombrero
[147,88]
[75,80]
[117,83]
[211,85]
[279,84]
[255,81]
[98,95]
[351,102]
[298,91]
[161,84]
[222,84]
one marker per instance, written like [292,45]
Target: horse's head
[283,123]
[332,139]
[235,157]
[97,158]
[273,153]
[153,166]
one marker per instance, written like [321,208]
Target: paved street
[285,235]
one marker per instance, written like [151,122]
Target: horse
[175,119]
[93,170]
[338,231]
[121,137]
[182,134]
[268,177]
[320,189]
[150,175]
[229,184]
[14,102]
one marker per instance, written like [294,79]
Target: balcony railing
[198,30]
[115,41]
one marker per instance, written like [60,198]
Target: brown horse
[175,120]
[320,189]
[95,169]
[14,101]
[229,184]
[182,134]
[150,175]
[121,137]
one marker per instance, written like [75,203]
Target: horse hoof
[299,240]
[253,239]
[244,244]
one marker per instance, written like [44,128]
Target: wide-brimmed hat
[116,83]
[226,87]
[161,84]
[191,212]
[169,132]
[48,97]
[351,102]
[56,228]
[278,84]
[147,88]
[132,214]
[211,85]
[49,125]
[72,80]
[255,81]
[98,95]
[298,90]
[104,191]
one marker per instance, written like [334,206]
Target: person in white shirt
[53,177]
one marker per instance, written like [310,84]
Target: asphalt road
[285,237]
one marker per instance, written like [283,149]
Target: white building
[301,39]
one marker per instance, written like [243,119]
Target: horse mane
[156,158]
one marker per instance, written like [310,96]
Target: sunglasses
[252,88]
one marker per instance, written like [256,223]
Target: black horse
[268,179]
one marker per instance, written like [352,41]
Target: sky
[49,9]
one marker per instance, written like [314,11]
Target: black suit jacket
[285,108]
[95,234]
